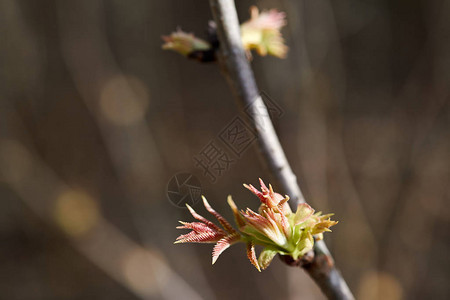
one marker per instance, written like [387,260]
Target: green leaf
[306,243]
[266,257]
[304,211]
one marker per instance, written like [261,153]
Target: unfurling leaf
[252,255]
[304,211]
[274,226]
[265,258]
[262,32]
[184,43]
[223,244]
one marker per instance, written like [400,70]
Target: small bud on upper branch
[262,33]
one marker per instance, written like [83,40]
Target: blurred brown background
[95,119]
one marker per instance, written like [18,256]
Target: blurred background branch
[75,213]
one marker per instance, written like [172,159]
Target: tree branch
[240,76]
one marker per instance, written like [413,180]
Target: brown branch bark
[240,76]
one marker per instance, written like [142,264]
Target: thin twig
[242,81]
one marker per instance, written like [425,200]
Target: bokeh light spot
[139,269]
[124,100]
[379,285]
[76,212]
